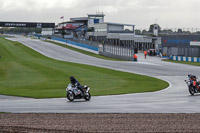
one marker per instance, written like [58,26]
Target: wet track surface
[174,99]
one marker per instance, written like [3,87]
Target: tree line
[19,30]
[165,31]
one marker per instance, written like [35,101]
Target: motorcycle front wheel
[88,97]
[70,96]
[191,90]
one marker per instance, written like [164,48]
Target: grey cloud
[142,13]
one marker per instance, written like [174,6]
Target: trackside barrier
[182,58]
[59,39]
[165,57]
[38,36]
[83,45]
[78,45]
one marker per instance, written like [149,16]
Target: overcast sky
[142,13]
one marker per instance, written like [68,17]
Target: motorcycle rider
[195,83]
[75,83]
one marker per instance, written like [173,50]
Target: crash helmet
[193,77]
[72,79]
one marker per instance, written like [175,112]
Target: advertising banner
[195,43]
[27,24]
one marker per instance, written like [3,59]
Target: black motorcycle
[74,93]
[193,84]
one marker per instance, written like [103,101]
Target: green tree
[180,31]
[144,31]
[138,32]
[19,30]
[167,31]
[4,30]
[63,32]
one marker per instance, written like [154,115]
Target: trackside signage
[14,25]
[195,43]
[27,24]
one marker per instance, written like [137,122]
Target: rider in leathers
[75,83]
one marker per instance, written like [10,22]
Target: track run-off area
[174,99]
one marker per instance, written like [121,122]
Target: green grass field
[184,62]
[27,73]
[84,52]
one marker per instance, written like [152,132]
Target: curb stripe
[182,58]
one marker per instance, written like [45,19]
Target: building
[120,39]
[114,38]
[181,44]
[75,28]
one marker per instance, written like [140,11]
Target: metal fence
[182,51]
[119,50]
[83,41]
[92,43]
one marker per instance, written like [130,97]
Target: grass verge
[84,52]
[2,35]
[25,72]
[184,62]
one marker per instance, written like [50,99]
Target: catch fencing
[181,51]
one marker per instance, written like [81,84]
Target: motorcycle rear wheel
[191,90]
[70,96]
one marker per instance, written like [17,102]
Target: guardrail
[83,45]
[78,45]
[59,39]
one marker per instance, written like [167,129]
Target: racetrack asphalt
[174,99]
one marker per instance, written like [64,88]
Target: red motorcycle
[193,84]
